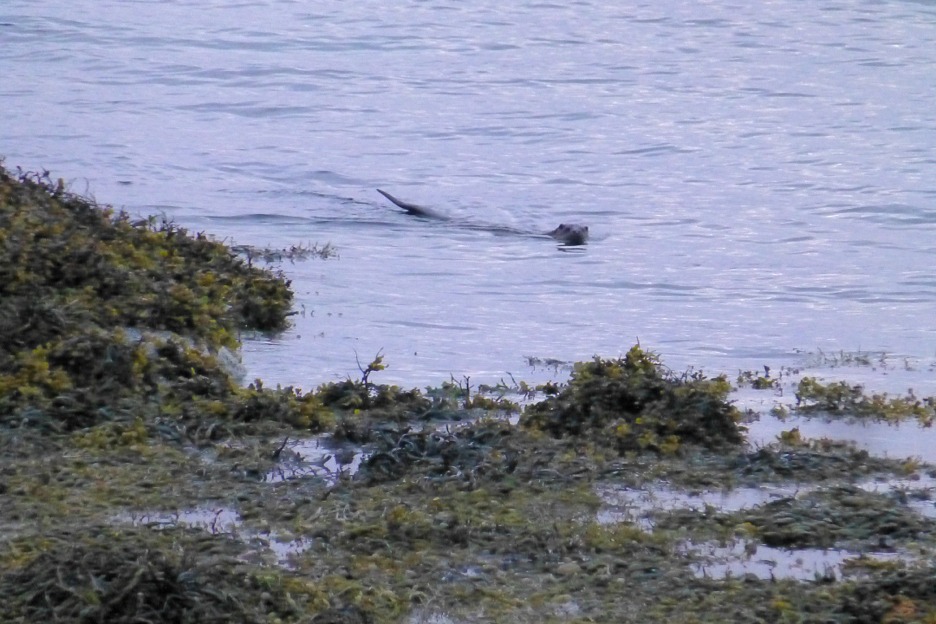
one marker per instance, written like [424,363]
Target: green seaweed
[844,399]
[758,381]
[640,405]
[104,318]
[125,575]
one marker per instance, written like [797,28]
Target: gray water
[758,177]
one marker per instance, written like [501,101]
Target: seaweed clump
[107,319]
[637,404]
[900,595]
[844,399]
[834,517]
[363,407]
[65,260]
[138,575]
[479,451]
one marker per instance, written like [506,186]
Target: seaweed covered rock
[104,319]
[66,261]
[363,407]
[392,401]
[835,516]
[636,404]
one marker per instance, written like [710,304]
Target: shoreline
[141,481]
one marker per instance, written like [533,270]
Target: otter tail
[412,209]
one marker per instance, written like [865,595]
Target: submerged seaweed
[850,400]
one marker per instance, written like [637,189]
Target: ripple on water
[725,211]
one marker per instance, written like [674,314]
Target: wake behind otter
[571,234]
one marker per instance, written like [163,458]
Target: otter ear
[586,228]
[562,226]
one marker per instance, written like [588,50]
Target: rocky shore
[140,481]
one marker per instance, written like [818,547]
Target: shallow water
[895,378]
[757,176]
[637,506]
[740,557]
[219,520]
[315,457]
[807,564]
[907,440]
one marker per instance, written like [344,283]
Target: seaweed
[639,405]
[121,427]
[844,399]
[833,517]
[107,319]
[480,450]
[129,575]
[757,381]
[71,254]
[897,595]
[362,407]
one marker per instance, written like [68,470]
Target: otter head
[570,234]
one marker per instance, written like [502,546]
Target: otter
[570,234]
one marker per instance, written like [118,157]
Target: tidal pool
[318,457]
[745,557]
[221,521]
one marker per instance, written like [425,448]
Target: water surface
[758,177]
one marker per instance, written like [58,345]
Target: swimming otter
[567,233]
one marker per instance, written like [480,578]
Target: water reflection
[805,564]
[320,457]
[219,520]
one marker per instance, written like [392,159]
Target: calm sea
[759,177]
